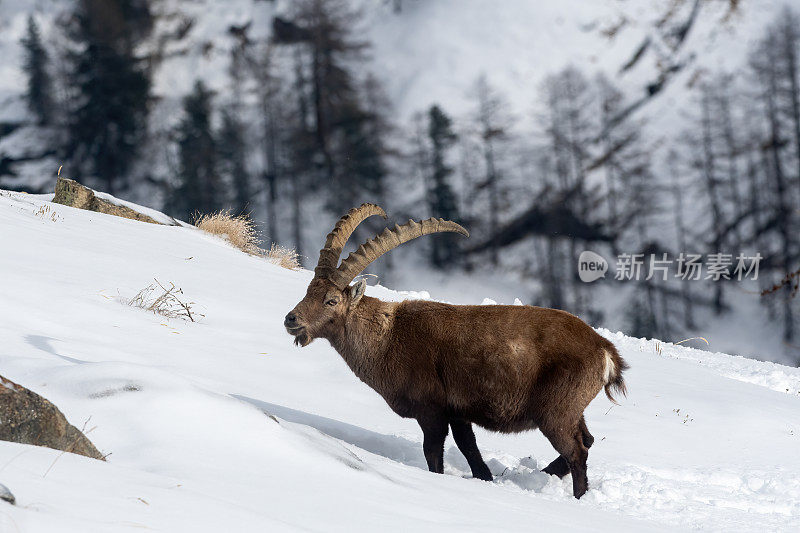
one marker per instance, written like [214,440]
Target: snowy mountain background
[432,52]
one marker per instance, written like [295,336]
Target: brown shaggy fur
[504,368]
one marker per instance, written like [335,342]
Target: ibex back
[505,368]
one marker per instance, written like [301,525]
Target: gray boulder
[27,418]
[6,495]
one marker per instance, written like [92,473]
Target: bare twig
[169,303]
[71,447]
[792,279]
[171,293]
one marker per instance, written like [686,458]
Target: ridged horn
[337,238]
[368,252]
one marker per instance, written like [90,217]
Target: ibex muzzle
[505,368]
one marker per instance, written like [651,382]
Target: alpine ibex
[504,368]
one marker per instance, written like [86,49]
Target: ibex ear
[357,291]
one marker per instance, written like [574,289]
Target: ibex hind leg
[559,467]
[568,441]
[465,440]
[587,437]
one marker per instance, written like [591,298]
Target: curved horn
[337,238]
[388,240]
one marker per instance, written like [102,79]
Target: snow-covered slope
[703,440]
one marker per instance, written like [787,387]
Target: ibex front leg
[434,430]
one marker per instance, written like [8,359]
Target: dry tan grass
[284,257]
[45,212]
[240,231]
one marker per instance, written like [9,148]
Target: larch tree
[441,197]
[108,121]
[492,121]
[39,89]
[198,190]
[232,149]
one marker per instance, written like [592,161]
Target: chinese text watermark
[686,266]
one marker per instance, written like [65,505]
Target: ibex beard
[504,368]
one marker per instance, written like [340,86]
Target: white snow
[158,216]
[704,440]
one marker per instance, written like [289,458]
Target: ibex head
[330,298]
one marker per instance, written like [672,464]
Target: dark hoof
[484,476]
[559,468]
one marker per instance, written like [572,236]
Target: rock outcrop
[70,192]
[27,418]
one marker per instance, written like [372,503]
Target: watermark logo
[686,266]
[591,266]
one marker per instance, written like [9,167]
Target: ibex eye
[331,302]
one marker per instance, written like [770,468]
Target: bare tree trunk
[665,332]
[490,120]
[772,312]
[271,164]
[579,304]
[297,217]
[272,205]
[321,115]
[791,41]
[297,189]
[686,296]
[468,187]
[642,224]
[783,212]
[494,203]
[554,290]
[709,171]
[424,167]
[732,155]
[610,174]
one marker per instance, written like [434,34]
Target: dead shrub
[165,301]
[240,231]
